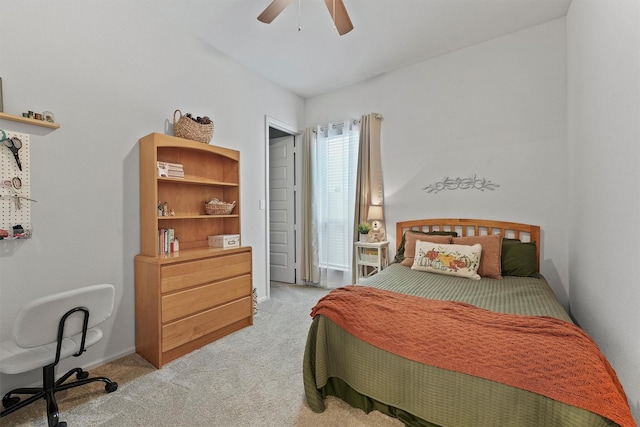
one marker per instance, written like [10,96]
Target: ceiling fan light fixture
[339,15]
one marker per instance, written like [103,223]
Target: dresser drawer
[198,325]
[187,274]
[190,301]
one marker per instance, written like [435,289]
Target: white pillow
[453,260]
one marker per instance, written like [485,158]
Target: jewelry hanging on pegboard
[15,192]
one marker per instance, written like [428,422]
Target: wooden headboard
[473,227]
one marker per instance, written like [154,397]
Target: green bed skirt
[340,389]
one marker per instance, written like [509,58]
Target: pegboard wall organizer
[15,192]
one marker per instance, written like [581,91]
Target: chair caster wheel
[82,375]
[111,387]
[62,424]
[8,402]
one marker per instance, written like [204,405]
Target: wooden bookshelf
[189,298]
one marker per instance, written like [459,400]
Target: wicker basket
[187,128]
[216,207]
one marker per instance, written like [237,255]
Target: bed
[436,340]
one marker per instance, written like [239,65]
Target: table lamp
[375,215]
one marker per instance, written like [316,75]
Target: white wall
[604,147]
[496,109]
[113,72]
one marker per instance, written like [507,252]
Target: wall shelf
[28,121]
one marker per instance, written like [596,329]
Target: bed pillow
[519,259]
[506,241]
[449,259]
[491,253]
[401,249]
[412,238]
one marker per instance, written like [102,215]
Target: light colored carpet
[252,377]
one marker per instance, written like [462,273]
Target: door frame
[271,122]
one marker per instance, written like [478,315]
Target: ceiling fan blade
[341,19]
[273,10]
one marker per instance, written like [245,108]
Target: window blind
[337,162]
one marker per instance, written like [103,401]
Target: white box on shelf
[225,241]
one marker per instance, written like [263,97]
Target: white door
[281,209]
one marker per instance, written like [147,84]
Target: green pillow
[506,241]
[519,258]
[400,252]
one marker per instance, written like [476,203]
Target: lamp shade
[375,213]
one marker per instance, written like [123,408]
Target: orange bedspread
[543,355]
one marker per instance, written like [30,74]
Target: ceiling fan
[336,8]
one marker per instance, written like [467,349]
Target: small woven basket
[187,128]
[216,207]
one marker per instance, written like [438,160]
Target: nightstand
[371,258]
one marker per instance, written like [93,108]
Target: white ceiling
[387,34]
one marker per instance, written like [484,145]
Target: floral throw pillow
[412,238]
[453,260]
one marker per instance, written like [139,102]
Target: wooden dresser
[189,298]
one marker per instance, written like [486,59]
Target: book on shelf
[170,170]
[166,241]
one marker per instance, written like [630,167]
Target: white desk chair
[50,329]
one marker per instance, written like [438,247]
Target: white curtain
[309,263]
[333,153]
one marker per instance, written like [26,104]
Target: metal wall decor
[472,182]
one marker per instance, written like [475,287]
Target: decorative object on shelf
[48,116]
[199,129]
[218,207]
[472,182]
[225,241]
[364,230]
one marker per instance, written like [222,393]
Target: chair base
[50,386]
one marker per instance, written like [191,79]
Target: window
[335,165]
